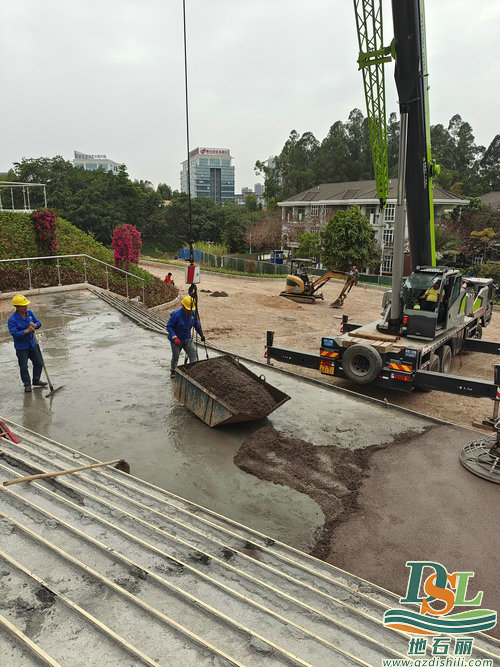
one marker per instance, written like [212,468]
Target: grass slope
[18,239]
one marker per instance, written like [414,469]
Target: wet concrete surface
[117,402]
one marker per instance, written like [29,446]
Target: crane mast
[409,51]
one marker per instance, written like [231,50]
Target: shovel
[51,386]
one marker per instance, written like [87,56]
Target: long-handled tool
[51,386]
[121,464]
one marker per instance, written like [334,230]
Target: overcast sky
[107,76]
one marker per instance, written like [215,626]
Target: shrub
[127,245]
[44,221]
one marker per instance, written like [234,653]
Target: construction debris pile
[225,377]
[332,476]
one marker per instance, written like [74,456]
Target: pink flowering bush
[127,245]
[44,221]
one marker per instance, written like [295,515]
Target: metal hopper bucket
[215,410]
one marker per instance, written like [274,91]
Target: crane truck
[435,313]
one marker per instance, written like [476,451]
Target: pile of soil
[219,294]
[330,475]
[226,379]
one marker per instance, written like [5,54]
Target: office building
[211,174]
[92,162]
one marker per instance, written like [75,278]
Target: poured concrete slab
[118,403]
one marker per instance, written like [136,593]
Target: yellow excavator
[300,288]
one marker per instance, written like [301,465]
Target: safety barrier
[108,269]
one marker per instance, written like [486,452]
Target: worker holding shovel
[179,327]
[22,325]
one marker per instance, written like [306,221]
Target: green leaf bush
[18,239]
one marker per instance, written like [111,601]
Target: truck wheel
[361,363]
[446,357]
[435,363]
[479,331]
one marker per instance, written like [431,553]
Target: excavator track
[299,298]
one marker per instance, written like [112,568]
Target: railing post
[29,274]
[59,272]
[84,269]
[143,294]
[107,278]
[126,283]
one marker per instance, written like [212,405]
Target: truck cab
[436,299]
[433,301]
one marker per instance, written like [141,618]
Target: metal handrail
[85,257]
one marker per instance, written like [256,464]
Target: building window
[390,213]
[387,265]
[388,236]
[371,212]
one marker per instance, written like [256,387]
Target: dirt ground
[239,321]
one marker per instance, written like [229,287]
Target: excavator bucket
[338,303]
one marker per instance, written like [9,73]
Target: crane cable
[192,290]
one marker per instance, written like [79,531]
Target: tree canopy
[97,202]
[348,240]
[345,155]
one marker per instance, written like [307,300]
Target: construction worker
[301,273]
[355,273]
[168,279]
[179,327]
[22,324]
[430,296]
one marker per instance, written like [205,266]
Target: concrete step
[179,577]
[139,314]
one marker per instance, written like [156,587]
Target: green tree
[358,141]
[393,131]
[251,203]
[309,245]
[490,166]
[447,244]
[348,239]
[236,223]
[332,163]
[272,182]
[165,191]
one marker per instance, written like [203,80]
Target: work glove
[202,338]
[177,341]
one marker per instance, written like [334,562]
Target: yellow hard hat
[20,300]
[188,303]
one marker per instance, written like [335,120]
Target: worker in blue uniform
[179,327]
[22,324]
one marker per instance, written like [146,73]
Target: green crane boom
[372,56]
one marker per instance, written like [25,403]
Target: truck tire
[479,331]
[361,363]
[435,363]
[446,358]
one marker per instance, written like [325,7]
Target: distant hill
[17,239]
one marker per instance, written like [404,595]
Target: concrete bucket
[223,391]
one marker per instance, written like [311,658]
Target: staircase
[139,314]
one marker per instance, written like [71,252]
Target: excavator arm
[319,282]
